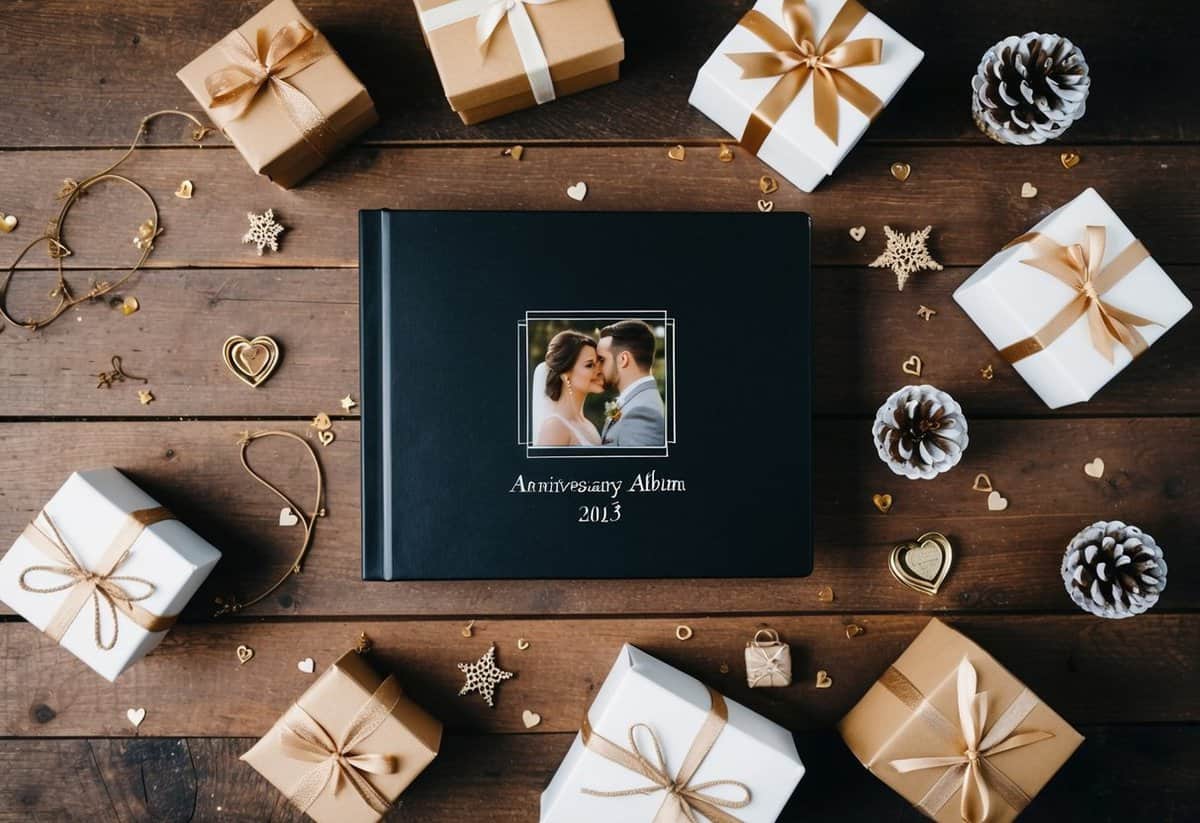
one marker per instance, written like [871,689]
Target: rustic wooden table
[75,77]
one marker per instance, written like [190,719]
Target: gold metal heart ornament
[923,564]
[252,361]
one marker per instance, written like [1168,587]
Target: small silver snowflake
[906,254]
[483,676]
[264,231]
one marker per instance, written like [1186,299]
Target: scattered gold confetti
[145,397]
[244,653]
[924,312]
[146,233]
[982,483]
[468,629]
[129,305]
[767,184]
[287,517]
[901,171]
[135,716]
[906,254]
[883,502]
[578,191]
[1028,190]
[1069,159]
[306,665]
[363,644]
[724,668]
[1094,469]
[515,152]
[725,155]
[522,643]
[987,372]
[184,192]
[348,403]
[824,681]
[530,719]
[326,437]
[8,222]
[913,366]
[766,206]
[677,153]
[853,630]
[997,502]
[825,594]
[857,233]
[321,422]
[683,632]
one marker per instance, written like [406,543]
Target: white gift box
[796,147]
[1012,301]
[643,690]
[90,512]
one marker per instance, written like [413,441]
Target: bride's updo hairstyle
[561,355]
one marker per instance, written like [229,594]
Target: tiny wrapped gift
[799,81]
[280,93]
[104,570]
[658,746]
[949,729]
[349,746]
[499,56]
[1071,303]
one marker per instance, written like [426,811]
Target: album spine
[372,276]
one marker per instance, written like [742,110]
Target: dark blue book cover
[585,395]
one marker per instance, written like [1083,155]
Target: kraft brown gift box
[347,691]
[266,134]
[580,38]
[895,721]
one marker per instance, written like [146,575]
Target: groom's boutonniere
[612,411]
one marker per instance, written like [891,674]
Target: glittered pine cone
[920,432]
[1029,89]
[1114,570]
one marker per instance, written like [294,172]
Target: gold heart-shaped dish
[252,361]
[922,564]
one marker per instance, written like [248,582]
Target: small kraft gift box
[349,746]
[659,745]
[1073,301]
[104,570]
[799,81]
[498,56]
[281,94]
[950,730]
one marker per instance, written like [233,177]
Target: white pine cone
[920,432]
[1029,89]
[1114,570]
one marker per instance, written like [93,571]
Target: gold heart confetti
[1069,159]
[1094,469]
[130,305]
[913,366]
[326,437]
[135,716]
[824,681]
[306,665]
[322,423]
[515,152]
[922,564]
[251,361]
[725,155]
[825,594]
[997,502]
[8,222]
[530,719]
[766,206]
[987,372]
[723,668]
[924,312]
[468,629]
[244,653]
[901,171]
[522,643]
[287,517]
[982,483]
[578,191]
[883,502]
[853,630]
[858,233]
[677,153]
[1028,190]
[767,185]
[184,192]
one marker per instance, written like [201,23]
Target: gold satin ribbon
[794,59]
[970,772]
[683,800]
[102,585]
[1081,269]
[271,62]
[303,738]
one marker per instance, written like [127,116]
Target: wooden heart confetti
[982,483]
[135,716]
[901,171]
[825,594]
[184,192]
[8,222]
[1028,190]
[857,233]
[522,643]
[244,653]
[913,366]
[883,502]
[251,361]
[530,719]
[578,191]
[924,312]
[767,185]
[997,502]
[766,206]
[287,517]
[725,155]
[853,630]
[1069,159]
[987,372]
[922,564]
[824,681]
[677,153]
[306,665]
[1094,469]
[326,437]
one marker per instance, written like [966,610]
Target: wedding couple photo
[598,383]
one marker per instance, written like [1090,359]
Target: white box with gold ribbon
[1073,301]
[104,570]
[656,740]
[798,82]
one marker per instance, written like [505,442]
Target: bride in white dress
[561,384]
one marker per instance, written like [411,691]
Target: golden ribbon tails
[1081,268]
[271,62]
[795,58]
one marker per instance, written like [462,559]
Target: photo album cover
[585,395]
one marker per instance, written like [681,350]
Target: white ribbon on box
[488,14]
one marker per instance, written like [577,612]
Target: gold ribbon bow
[271,62]
[303,738]
[103,585]
[795,58]
[683,800]
[1082,269]
[971,771]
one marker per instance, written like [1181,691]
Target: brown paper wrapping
[583,47]
[411,734]
[881,728]
[264,135]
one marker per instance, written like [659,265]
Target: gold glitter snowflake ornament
[905,255]
[264,231]
[483,675]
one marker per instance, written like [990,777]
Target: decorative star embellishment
[264,231]
[906,254]
[145,397]
[483,675]
[348,403]
[925,313]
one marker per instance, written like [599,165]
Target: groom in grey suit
[638,416]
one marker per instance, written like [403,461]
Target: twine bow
[303,738]
[971,770]
[1081,268]
[794,58]
[683,800]
[102,585]
[768,667]
[270,62]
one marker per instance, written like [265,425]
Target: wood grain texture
[970,194]
[193,684]
[1005,561]
[95,67]
[202,780]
